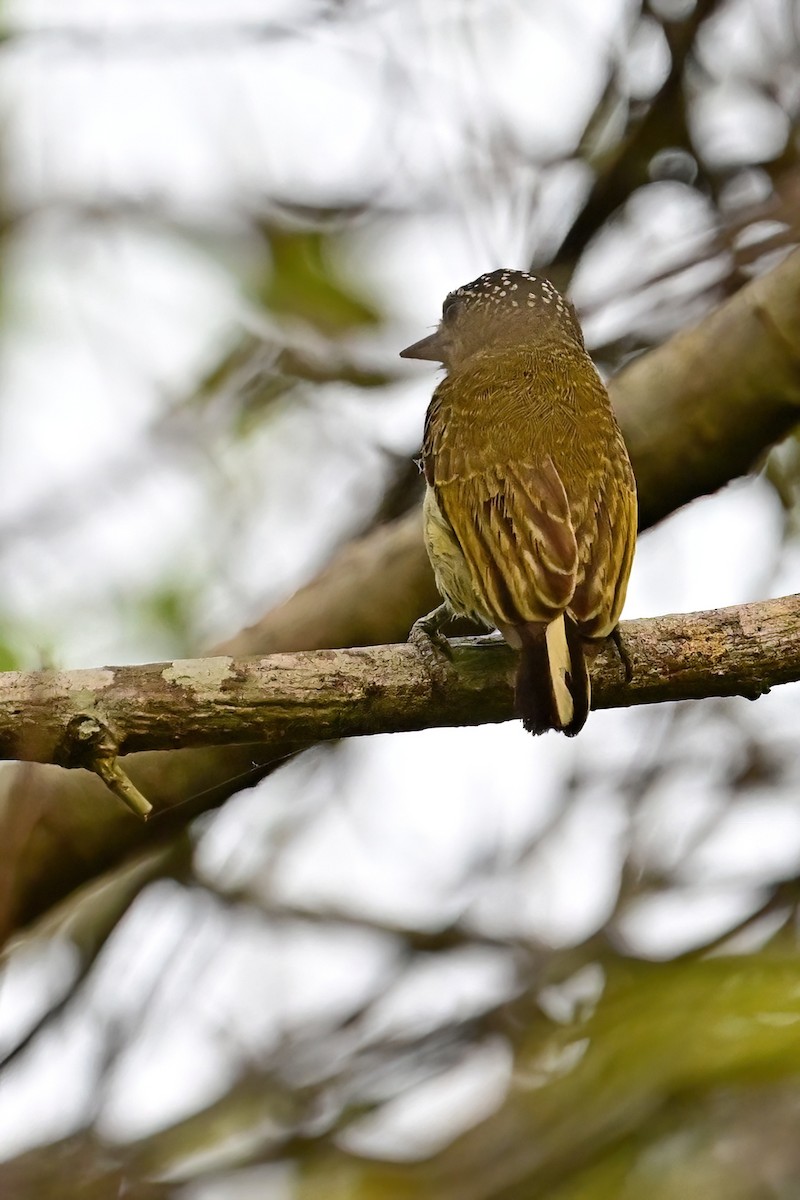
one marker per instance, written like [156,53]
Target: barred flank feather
[553,689]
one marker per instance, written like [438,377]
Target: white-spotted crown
[515,293]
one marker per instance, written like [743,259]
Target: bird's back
[511,421]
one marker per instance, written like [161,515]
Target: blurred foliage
[167,614]
[303,282]
[9,660]
[275,1004]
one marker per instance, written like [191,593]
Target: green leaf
[305,283]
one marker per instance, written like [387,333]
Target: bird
[530,510]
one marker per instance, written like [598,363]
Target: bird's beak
[429,348]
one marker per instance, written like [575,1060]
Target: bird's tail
[553,689]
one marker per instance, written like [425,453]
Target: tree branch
[294,700]
[626,168]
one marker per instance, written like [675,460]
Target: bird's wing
[531,550]
[606,535]
[512,522]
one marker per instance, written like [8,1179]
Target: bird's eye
[449,307]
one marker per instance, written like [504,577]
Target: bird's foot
[427,637]
[622,651]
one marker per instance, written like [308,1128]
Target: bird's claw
[427,638]
[622,651]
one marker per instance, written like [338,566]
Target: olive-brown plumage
[530,508]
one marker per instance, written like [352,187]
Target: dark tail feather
[552,690]
[579,683]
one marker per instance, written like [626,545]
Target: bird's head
[501,308]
